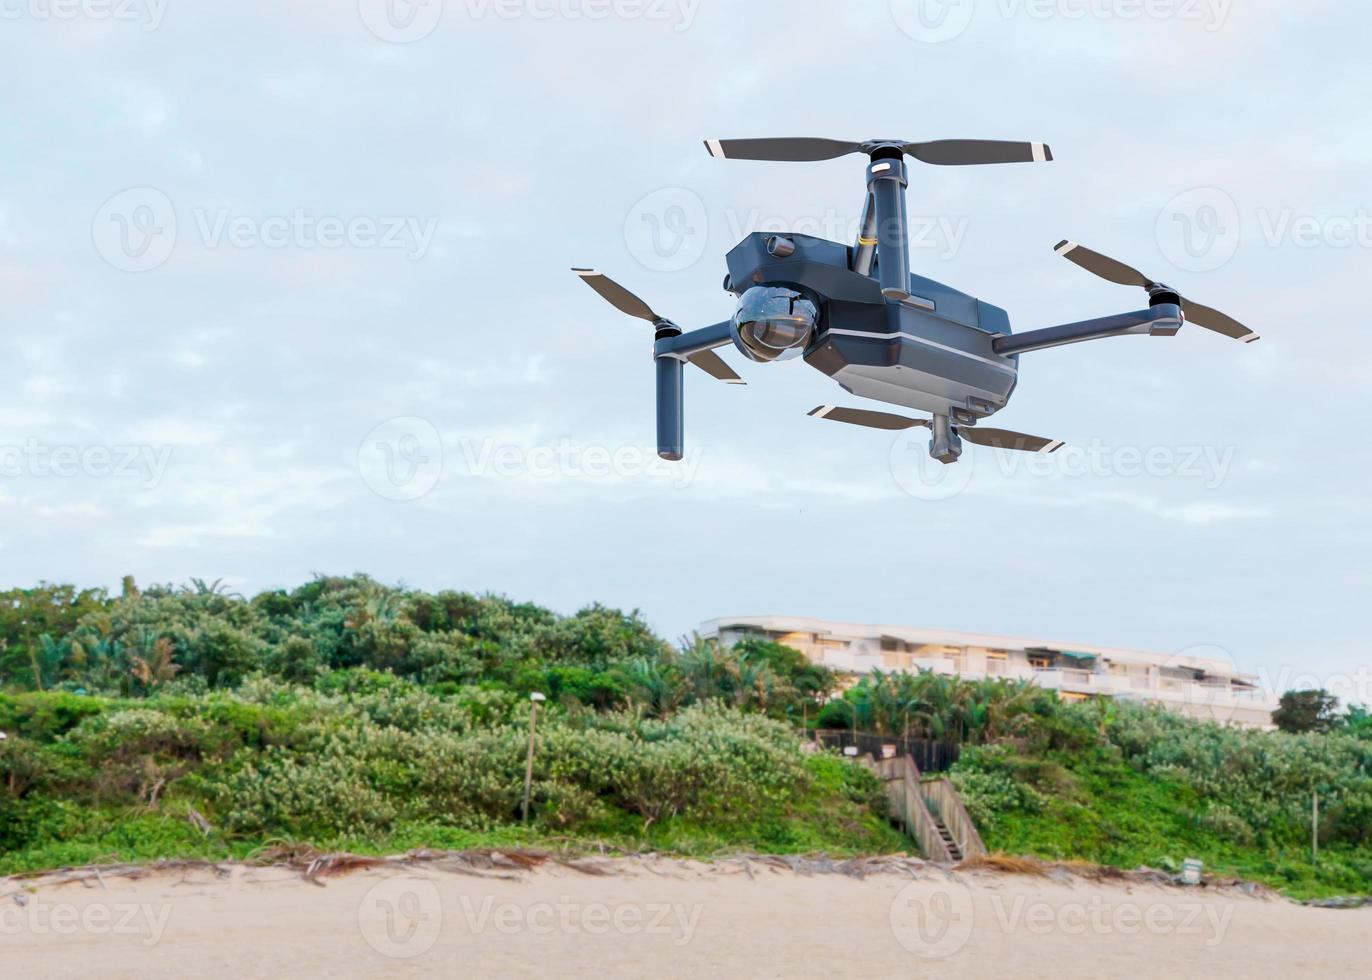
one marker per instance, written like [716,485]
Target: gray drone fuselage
[931,351]
[859,315]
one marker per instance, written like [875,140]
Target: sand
[661,918]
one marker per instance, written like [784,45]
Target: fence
[928,755]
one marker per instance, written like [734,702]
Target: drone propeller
[626,302]
[940,152]
[1005,439]
[1115,271]
[715,366]
[995,438]
[861,416]
[619,297]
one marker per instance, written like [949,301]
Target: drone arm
[1162,320]
[682,346]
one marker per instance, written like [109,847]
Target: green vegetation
[193,722]
[1125,785]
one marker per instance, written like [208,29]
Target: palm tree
[157,666]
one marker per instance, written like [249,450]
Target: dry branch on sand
[314,866]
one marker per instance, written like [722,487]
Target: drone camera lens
[774,322]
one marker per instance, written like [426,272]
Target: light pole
[534,700]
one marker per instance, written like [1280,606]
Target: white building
[1195,686]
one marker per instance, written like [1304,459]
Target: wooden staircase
[929,810]
[946,836]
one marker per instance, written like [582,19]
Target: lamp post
[534,700]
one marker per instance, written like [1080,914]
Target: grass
[115,837]
[1104,811]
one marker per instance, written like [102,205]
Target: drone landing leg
[886,180]
[670,422]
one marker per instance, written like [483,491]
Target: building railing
[1207,690]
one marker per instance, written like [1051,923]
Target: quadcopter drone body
[859,315]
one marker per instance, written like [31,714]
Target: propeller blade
[1102,265]
[861,416]
[617,296]
[1126,275]
[787,150]
[715,366]
[952,153]
[1005,439]
[1210,319]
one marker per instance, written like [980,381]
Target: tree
[1357,720]
[29,615]
[1307,711]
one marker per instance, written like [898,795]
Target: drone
[857,313]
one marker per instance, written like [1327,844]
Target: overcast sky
[285,289]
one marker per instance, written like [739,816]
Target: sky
[285,290]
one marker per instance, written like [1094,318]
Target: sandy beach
[641,917]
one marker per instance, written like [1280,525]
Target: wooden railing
[943,801]
[902,781]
